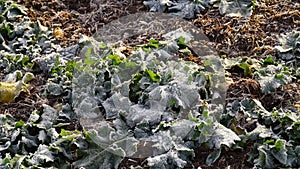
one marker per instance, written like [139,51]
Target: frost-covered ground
[154,99]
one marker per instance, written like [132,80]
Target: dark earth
[233,37]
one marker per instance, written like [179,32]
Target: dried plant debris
[244,88]
[255,36]
[234,36]
[70,18]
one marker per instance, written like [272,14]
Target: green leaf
[279,76]
[116,59]
[28,77]
[88,52]
[181,41]
[18,160]
[64,132]
[246,67]
[102,45]
[89,61]
[154,43]
[280,144]
[20,123]
[153,76]
[56,63]
[146,48]
[207,63]
[269,60]
[130,64]
[271,141]
[172,103]
[70,66]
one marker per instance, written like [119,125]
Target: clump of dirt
[237,158]
[244,88]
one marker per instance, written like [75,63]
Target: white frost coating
[141,118]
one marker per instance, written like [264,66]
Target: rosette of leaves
[37,143]
[273,148]
[10,12]
[60,78]
[289,50]
[275,142]
[20,36]
[141,98]
[189,9]
[234,8]
[14,62]
[245,65]
[184,8]
[272,76]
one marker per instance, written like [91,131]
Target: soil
[70,18]
[233,37]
